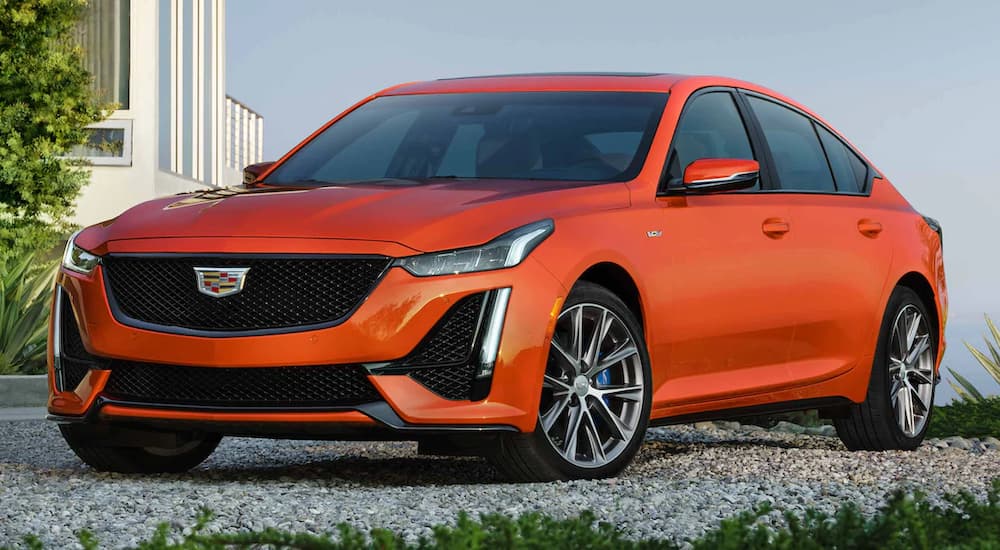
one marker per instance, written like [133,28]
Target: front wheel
[900,399]
[139,460]
[595,399]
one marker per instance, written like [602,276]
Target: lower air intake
[311,386]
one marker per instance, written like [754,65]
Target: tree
[46,101]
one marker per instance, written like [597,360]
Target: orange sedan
[532,268]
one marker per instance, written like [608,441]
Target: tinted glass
[848,170]
[798,157]
[860,169]
[710,127]
[577,136]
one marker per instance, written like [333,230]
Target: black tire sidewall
[136,460]
[589,293]
[878,388]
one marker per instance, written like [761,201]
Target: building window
[103,34]
[110,144]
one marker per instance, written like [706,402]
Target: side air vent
[75,361]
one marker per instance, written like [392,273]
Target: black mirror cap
[252,173]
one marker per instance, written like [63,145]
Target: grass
[904,522]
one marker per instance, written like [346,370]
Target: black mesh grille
[327,385]
[450,344]
[278,292]
[452,382]
[75,360]
[451,340]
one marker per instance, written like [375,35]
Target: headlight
[507,250]
[77,259]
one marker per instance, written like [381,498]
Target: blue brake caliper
[604,378]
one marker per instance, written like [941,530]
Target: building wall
[115,188]
[177,107]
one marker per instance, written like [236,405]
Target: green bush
[46,102]
[25,294]
[966,418]
[905,522]
[988,359]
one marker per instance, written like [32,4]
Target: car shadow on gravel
[359,464]
[360,471]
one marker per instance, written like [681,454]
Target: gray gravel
[683,482]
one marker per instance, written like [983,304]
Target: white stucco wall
[113,189]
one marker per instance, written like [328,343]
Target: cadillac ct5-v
[532,268]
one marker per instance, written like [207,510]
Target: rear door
[838,250]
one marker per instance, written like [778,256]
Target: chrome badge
[221,281]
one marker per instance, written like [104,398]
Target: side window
[848,170]
[710,127]
[798,156]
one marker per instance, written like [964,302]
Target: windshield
[571,136]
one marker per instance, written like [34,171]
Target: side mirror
[252,173]
[715,175]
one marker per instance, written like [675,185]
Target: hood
[421,216]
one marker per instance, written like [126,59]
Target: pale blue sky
[914,84]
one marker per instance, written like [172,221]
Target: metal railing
[244,133]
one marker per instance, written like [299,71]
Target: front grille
[76,362]
[449,347]
[279,292]
[312,386]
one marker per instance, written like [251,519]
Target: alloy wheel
[911,370]
[594,386]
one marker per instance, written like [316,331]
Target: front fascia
[388,325]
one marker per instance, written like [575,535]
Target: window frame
[870,175]
[666,188]
[125,159]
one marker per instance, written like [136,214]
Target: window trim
[870,175]
[759,148]
[114,124]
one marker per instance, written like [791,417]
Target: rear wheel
[595,396]
[900,399]
[140,460]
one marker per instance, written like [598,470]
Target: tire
[622,388]
[139,460]
[877,424]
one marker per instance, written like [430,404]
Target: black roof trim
[597,73]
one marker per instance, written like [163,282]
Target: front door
[728,329]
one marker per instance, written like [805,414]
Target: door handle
[869,228]
[775,227]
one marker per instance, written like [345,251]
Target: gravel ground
[683,482]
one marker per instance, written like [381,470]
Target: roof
[626,82]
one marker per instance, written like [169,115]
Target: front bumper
[389,325]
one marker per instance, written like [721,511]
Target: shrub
[965,418]
[25,292]
[988,359]
[46,102]
[904,522]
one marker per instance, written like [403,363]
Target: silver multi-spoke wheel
[911,370]
[592,397]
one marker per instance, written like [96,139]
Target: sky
[912,83]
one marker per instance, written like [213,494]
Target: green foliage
[45,103]
[967,419]
[904,523]
[25,292]
[989,359]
